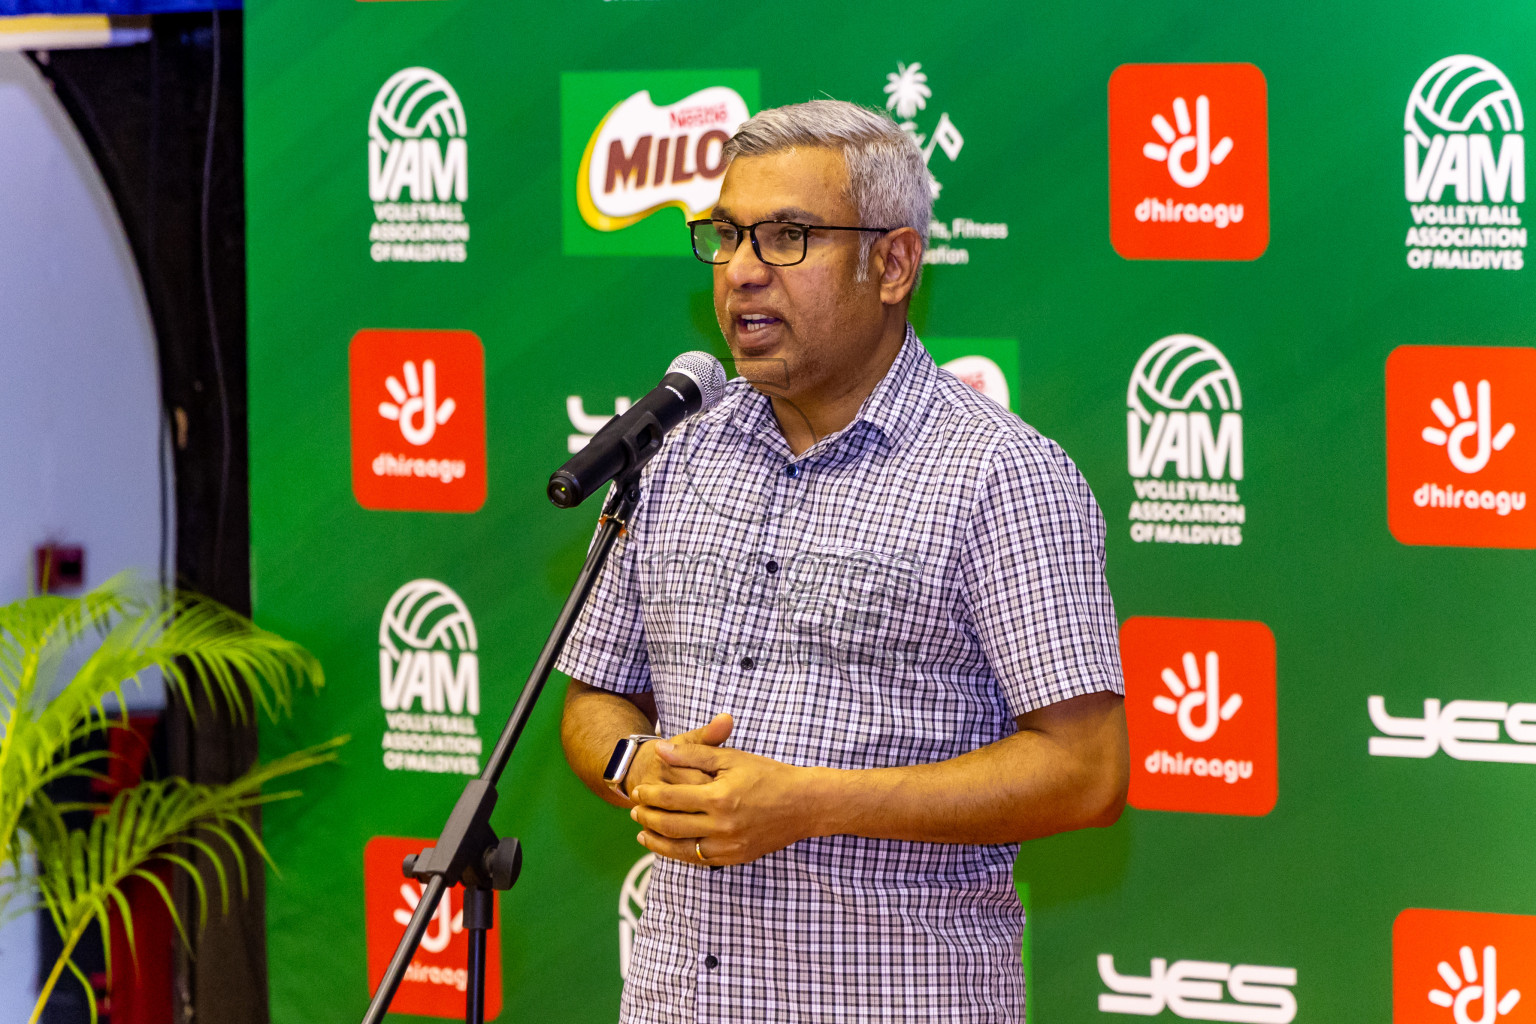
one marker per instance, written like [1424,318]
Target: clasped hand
[694,796]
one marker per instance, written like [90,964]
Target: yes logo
[1195,187]
[1467,730]
[1457,967]
[1460,463]
[1192,989]
[1200,705]
[418,420]
[438,975]
[587,424]
[637,143]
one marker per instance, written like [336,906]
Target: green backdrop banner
[1259,269]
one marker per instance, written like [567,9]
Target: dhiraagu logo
[642,152]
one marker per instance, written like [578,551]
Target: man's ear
[898,257]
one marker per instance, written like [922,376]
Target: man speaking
[868,607]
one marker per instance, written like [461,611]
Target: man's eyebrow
[795,213]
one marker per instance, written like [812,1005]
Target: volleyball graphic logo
[416,102]
[1462,144]
[1179,371]
[426,615]
[1461,94]
[425,624]
[418,170]
[1184,415]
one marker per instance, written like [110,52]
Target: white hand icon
[1191,696]
[1488,991]
[417,398]
[443,927]
[1468,427]
[1176,144]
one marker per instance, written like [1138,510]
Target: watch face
[616,761]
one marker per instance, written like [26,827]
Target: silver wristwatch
[623,756]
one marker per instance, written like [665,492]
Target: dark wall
[164,123]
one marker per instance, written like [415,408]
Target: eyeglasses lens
[779,244]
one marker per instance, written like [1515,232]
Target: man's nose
[744,269]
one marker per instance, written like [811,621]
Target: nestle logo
[696,117]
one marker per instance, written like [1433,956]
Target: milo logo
[640,143]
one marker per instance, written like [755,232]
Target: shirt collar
[890,413]
[893,409]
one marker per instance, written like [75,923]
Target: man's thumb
[713,734]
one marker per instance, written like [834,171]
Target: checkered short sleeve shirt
[895,595]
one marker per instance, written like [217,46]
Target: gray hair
[888,180]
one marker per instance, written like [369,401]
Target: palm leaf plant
[201,649]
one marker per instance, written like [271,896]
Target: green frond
[80,877]
[200,648]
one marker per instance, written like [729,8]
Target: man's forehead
[804,184]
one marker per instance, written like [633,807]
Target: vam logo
[635,144]
[1192,989]
[1462,133]
[429,681]
[1200,706]
[907,94]
[1459,464]
[418,420]
[418,170]
[1184,416]
[436,979]
[1188,162]
[1467,730]
[1458,967]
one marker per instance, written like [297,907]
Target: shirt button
[747,663]
[792,470]
[772,566]
[711,961]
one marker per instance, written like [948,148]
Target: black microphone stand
[468,852]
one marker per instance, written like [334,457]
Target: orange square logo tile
[1200,705]
[1188,162]
[437,977]
[1456,967]
[1461,446]
[418,420]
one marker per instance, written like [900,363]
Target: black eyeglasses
[778,243]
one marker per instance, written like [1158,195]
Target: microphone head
[705,371]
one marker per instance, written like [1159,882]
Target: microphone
[694,382]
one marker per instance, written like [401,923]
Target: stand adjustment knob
[503,863]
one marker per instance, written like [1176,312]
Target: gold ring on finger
[698,851]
